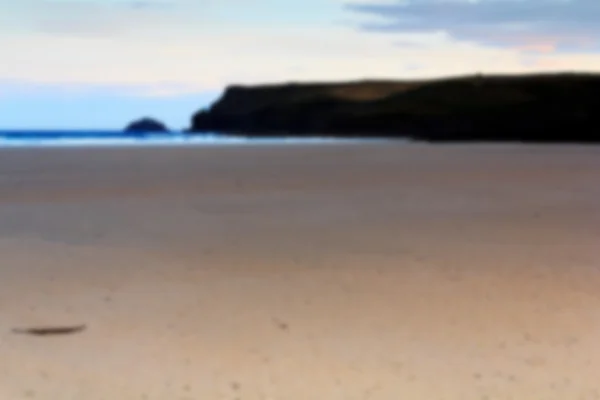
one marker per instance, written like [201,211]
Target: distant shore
[517,108]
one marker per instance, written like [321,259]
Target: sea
[79,138]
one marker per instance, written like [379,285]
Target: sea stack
[146,124]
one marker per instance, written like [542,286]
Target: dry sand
[334,272]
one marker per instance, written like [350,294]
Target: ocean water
[23,138]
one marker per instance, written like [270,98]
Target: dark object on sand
[146,125]
[50,330]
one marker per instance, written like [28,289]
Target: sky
[98,64]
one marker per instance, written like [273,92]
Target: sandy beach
[334,272]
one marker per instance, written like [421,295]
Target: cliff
[560,107]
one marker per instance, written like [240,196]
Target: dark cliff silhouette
[146,125]
[537,108]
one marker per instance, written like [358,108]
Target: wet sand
[333,272]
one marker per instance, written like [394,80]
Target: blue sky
[97,64]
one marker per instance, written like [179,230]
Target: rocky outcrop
[560,107]
[146,125]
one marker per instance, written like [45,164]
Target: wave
[50,138]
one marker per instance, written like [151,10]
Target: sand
[385,272]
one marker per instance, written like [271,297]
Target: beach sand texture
[334,272]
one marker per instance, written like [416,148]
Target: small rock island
[146,124]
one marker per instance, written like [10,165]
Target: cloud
[168,51]
[212,59]
[119,18]
[528,25]
[109,3]
[15,89]
[92,17]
